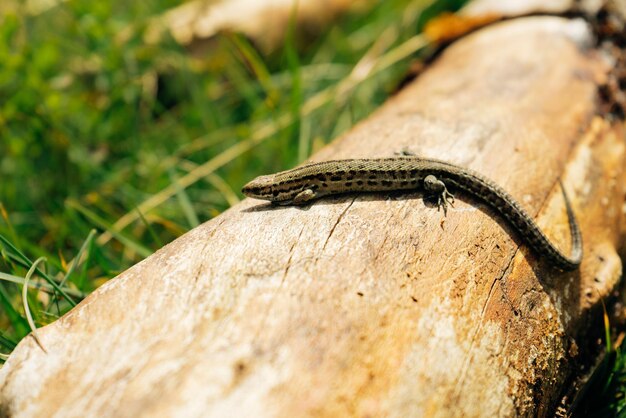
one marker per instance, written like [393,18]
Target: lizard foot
[436,187]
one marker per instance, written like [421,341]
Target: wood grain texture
[372,305]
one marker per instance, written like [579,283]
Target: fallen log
[374,304]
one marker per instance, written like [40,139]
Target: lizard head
[271,188]
[259,188]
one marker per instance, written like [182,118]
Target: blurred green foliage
[141,141]
[98,125]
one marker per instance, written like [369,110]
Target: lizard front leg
[434,186]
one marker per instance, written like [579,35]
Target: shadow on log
[373,305]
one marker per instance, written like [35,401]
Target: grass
[604,393]
[111,147]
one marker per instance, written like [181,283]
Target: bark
[266,22]
[374,305]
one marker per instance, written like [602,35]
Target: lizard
[302,185]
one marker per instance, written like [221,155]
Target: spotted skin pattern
[303,184]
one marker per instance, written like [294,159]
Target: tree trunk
[374,305]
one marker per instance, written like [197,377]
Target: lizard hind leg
[436,187]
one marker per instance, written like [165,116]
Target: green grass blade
[79,256]
[7,342]
[8,223]
[256,65]
[29,316]
[297,95]
[150,229]
[41,286]
[16,320]
[17,256]
[97,220]
[184,201]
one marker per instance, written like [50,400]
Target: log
[195,22]
[374,305]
